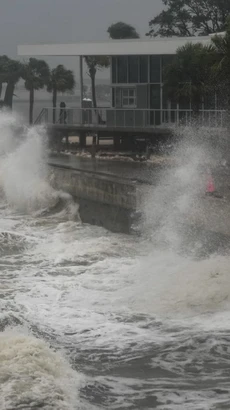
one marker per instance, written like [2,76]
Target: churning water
[95,320]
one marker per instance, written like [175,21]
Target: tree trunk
[8,99]
[94,98]
[0,90]
[54,104]
[31,105]
[227,118]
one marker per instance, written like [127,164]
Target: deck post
[82,139]
[93,150]
[116,142]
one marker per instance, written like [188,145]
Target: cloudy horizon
[69,21]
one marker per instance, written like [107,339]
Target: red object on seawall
[210,188]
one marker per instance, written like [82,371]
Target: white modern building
[138,97]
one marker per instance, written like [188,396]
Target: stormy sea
[91,319]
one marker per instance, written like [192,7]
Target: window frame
[128,97]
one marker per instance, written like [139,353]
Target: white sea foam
[169,285]
[33,376]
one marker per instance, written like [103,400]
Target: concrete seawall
[114,203]
[104,200]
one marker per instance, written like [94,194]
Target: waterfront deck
[128,121]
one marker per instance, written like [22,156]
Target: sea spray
[182,271]
[24,177]
[168,207]
[11,131]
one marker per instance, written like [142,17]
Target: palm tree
[61,80]
[222,67]
[120,30]
[36,76]
[189,76]
[94,64]
[10,73]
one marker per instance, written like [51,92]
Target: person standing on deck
[63,113]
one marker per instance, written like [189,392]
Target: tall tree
[120,30]
[10,73]
[222,67]
[94,64]
[36,75]
[60,81]
[186,18]
[189,76]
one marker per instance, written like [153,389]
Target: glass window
[155,69]
[133,63]
[118,97]
[129,97]
[114,70]
[144,72]
[122,69]
[155,96]
[113,97]
[132,92]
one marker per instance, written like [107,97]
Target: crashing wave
[32,376]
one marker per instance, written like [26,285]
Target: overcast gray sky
[68,21]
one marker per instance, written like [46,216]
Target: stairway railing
[42,117]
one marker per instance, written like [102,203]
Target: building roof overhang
[159,46]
